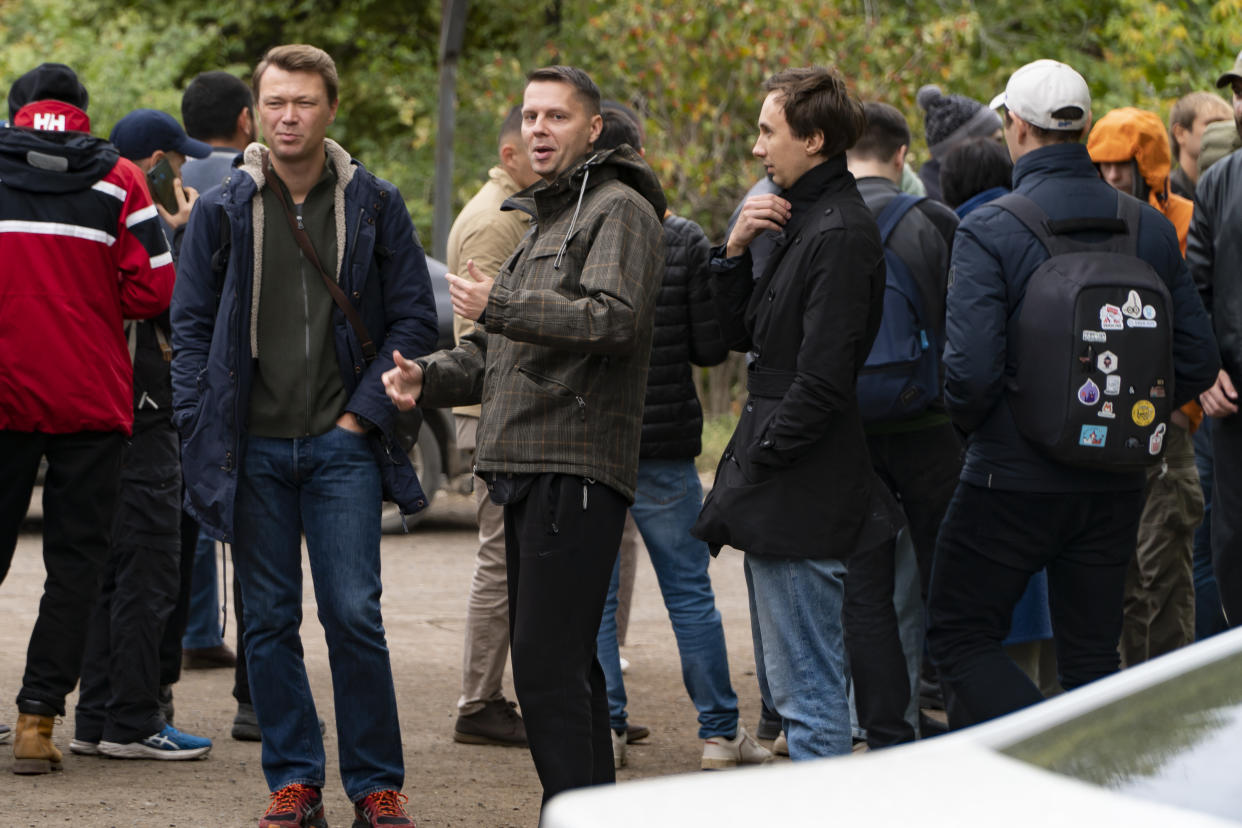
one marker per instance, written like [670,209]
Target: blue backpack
[901,376]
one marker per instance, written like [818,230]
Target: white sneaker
[781,746]
[625,664]
[719,752]
[84,748]
[618,749]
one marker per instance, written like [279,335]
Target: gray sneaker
[498,723]
[6,734]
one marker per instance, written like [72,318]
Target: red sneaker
[295,806]
[382,808]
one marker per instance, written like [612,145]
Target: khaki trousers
[1160,588]
[487,609]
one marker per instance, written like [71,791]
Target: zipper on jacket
[306,333]
[578,398]
[353,245]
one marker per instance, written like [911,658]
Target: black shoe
[498,723]
[208,658]
[246,724]
[636,733]
[769,724]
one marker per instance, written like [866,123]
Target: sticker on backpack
[1089,393]
[1107,412]
[1143,413]
[1093,435]
[1156,440]
[1107,362]
[1133,307]
[1111,318]
[1112,385]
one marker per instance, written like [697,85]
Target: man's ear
[245,123]
[815,143]
[899,159]
[597,126]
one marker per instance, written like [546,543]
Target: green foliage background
[692,69]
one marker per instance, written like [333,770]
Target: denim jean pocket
[663,482]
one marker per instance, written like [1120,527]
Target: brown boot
[33,751]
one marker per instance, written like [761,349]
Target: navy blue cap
[140,133]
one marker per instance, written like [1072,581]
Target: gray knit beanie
[950,119]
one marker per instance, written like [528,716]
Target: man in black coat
[1016,510]
[794,489]
[1213,251]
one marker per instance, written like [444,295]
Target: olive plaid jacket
[560,364]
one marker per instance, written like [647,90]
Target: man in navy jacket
[286,428]
[1015,511]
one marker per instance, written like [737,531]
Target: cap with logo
[1038,90]
[140,133]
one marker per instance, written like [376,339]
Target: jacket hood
[622,163]
[1134,134]
[53,162]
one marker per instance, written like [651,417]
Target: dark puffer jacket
[685,333]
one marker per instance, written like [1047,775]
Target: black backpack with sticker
[1093,343]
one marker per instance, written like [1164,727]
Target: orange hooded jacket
[1130,134]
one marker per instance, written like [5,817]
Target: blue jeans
[202,629]
[328,487]
[797,605]
[666,504]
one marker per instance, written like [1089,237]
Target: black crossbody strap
[308,250]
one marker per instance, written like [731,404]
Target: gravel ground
[426,576]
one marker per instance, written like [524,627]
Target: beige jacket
[483,233]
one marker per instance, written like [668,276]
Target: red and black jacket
[81,250]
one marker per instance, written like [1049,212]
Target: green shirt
[297,389]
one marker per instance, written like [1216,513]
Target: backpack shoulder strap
[894,212]
[1053,233]
[1130,211]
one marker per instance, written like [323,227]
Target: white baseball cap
[1039,89]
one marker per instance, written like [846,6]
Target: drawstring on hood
[621,163]
[573,221]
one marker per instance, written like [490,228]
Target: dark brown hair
[815,100]
[886,132]
[299,57]
[581,82]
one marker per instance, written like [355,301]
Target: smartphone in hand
[160,182]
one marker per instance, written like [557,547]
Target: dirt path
[426,576]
